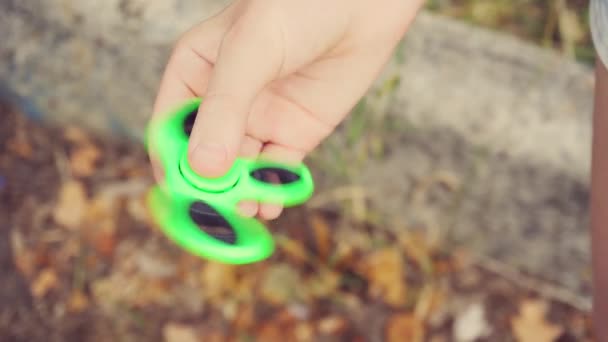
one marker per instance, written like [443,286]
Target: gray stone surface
[510,121]
[96,63]
[512,124]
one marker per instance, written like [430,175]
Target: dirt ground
[83,262]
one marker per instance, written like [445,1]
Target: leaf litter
[93,253]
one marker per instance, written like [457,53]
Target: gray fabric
[599,27]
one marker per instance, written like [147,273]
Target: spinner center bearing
[219,184]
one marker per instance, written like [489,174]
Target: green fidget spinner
[185,201]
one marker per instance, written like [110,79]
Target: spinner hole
[275,175]
[189,121]
[211,222]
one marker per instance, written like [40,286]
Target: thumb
[245,64]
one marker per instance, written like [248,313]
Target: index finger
[186,76]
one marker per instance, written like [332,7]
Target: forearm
[599,204]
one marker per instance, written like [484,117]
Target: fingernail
[208,157]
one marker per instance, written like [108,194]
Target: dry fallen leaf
[322,235]
[344,255]
[20,146]
[384,269]
[247,281]
[280,284]
[245,318]
[448,179]
[443,178]
[100,220]
[150,292]
[106,242]
[83,160]
[77,302]
[430,301]
[214,335]
[404,327]
[272,332]
[324,283]
[416,246]
[75,135]
[570,27]
[217,280]
[20,142]
[332,325]
[154,265]
[25,258]
[136,207]
[177,332]
[71,205]
[46,281]
[471,324]
[304,332]
[530,325]
[293,249]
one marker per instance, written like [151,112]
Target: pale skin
[277,76]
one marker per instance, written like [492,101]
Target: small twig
[554,292]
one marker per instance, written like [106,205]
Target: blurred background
[450,206]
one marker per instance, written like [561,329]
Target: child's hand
[277,76]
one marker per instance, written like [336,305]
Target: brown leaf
[332,325]
[322,235]
[416,246]
[443,178]
[246,282]
[245,318]
[21,146]
[570,28]
[471,324]
[136,207]
[151,291]
[344,255]
[25,258]
[77,302]
[530,325]
[293,249]
[448,179]
[385,271]
[285,317]
[215,335]
[71,205]
[324,283]
[271,332]
[430,300]
[217,280]
[100,221]
[404,327]
[280,284]
[105,243]
[75,135]
[348,301]
[304,332]
[83,160]
[46,281]
[100,208]
[177,332]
